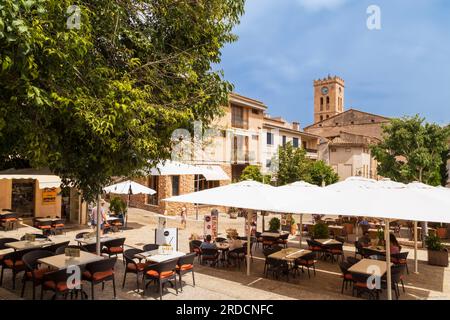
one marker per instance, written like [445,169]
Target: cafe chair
[9,221]
[185,265]
[334,251]
[59,283]
[352,260]
[36,235]
[307,261]
[34,272]
[90,247]
[100,272]
[210,255]
[160,273]
[267,252]
[55,247]
[259,239]
[13,261]
[133,265]
[400,259]
[3,242]
[150,247]
[81,235]
[277,268]
[360,286]
[397,272]
[315,247]
[237,255]
[346,276]
[45,227]
[269,241]
[283,240]
[62,249]
[58,226]
[114,247]
[194,246]
[359,249]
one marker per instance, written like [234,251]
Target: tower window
[328,100]
[321,118]
[328,117]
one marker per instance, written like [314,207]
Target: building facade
[347,135]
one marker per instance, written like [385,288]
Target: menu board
[49,196]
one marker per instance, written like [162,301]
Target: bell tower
[328,98]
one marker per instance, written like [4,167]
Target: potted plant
[233,213]
[437,253]
[320,231]
[274,225]
[118,206]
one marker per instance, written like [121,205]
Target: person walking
[103,218]
[183,216]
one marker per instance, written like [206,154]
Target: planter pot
[441,233]
[294,229]
[438,258]
[233,215]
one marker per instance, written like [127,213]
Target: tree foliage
[412,150]
[293,165]
[253,172]
[101,100]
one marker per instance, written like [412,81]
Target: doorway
[23,197]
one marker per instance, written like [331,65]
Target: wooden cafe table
[326,242]
[369,267]
[155,256]
[289,254]
[93,240]
[25,244]
[61,261]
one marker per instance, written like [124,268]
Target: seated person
[234,243]
[207,244]
[365,240]
[395,247]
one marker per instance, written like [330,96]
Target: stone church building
[347,134]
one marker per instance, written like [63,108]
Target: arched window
[321,103]
[321,118]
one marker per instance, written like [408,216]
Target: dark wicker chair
[360,286]
[3,242]
[335,251]
[185,265]
[36,235]
[13,261]
[160,273]
[283,240]
[150,247]
[400,259]
[100,272]
[210,255]
[307,261]
[347,278]
[81,234]
[45,226]
[58,226]
[114,247]
[277,268]
[133,265]
[194,246]
[397,273]
[55,247]
[315,247]
[237,255]
[33,271]
[90,247]
[267,252]
[269,241]
[57,282]
[352,260]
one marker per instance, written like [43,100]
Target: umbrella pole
[249,234]
[416,264]
[99,216]
[301,230]
[388,259]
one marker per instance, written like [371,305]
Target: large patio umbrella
[299,187]
[246,194]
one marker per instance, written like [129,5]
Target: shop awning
[43,176]
[214,173]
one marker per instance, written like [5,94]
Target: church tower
[328,98]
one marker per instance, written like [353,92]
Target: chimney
[296,126]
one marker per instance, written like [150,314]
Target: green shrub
[320,231]
[118,206]
[433,243]
[274,224]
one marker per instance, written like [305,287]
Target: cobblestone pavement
[228,283]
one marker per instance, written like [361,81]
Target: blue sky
[402,69]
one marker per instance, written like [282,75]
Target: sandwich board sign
[167,236]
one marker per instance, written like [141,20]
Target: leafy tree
[102,99]
[411,150]
[320,172]
[293,165]
[251,173]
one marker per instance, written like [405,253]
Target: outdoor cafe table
[326,242]
[272,234]
[369,267]
[93,240]
[336,229]
[155,256]
[61,261]
[47,219]
[5,251]
[289,254]
[24,245]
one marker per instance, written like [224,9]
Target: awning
[43,176]
[214,173]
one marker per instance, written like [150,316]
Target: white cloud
[318,5]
